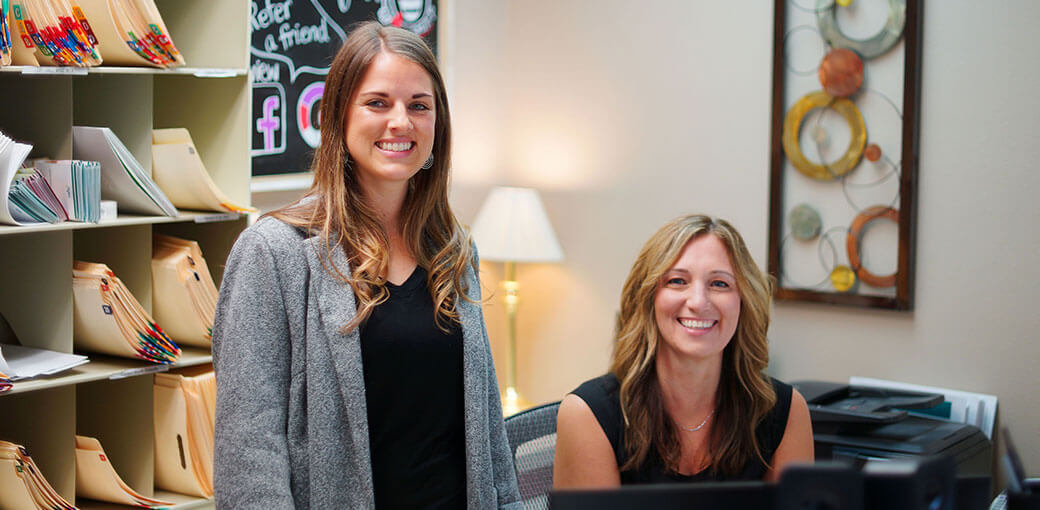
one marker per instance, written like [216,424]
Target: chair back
[532,437]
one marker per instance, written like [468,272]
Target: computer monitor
[820,486]
[918,483]
[684,496]
[921,483]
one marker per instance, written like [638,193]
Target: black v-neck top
[602,395]
[413,390]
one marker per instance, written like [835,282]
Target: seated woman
[686,398]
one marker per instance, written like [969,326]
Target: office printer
[859,423]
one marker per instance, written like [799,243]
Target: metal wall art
[846,77]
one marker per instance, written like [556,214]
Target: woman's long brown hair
[335,206]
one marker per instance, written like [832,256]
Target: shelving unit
[111,398]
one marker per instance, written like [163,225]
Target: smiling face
[390,122]
[697,304]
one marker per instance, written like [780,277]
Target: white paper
[12,154]
[122,177]
[976,409]
[27,362]
[59,176]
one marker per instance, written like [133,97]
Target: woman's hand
[584,457]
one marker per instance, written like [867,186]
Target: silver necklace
[698,427]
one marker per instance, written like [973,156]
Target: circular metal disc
[869,48]
[793,124]
[852,244]
[843,278]
[841,72]
[805,222]
[872,152]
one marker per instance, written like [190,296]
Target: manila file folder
[180,173]
[97,479]
[185,408]
[22,485]
[184,297]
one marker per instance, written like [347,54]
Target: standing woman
[353,366]
[687,398]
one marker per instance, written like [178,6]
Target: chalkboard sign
[293,44]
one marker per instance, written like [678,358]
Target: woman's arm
[797,444]
[251,359]
[584,457]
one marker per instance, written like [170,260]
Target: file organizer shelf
[111,398]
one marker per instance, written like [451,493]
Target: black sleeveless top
[602,395]
[414,395]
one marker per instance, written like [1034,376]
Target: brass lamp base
[512,402]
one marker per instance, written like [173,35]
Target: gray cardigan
[291,424]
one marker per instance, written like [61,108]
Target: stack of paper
[46,191]
[131,33]
[27,362]
[184,297]
[47,33]
[32,196]
[976,409]
[109,320]
[12,154]
[76,185]
[17,362]
[56,191]
[122,177]
[97,479]
[185,410]
[22,484]
[179,172]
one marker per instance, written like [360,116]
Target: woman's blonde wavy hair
[745,394]
[335,206]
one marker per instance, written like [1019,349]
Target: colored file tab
[130,33]
[108,319]
[51,35]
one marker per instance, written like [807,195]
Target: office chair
[532,438]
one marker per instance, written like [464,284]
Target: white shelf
[112,398]
[101,367]
[181,502]
[122,221]
[199,72]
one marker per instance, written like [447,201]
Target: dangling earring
[429,163]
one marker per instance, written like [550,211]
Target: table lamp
[512,227]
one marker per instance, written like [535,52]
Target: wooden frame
[784,176]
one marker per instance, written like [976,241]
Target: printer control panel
[835,402]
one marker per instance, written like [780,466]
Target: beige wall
[625,114]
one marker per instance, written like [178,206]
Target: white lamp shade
[512,226]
